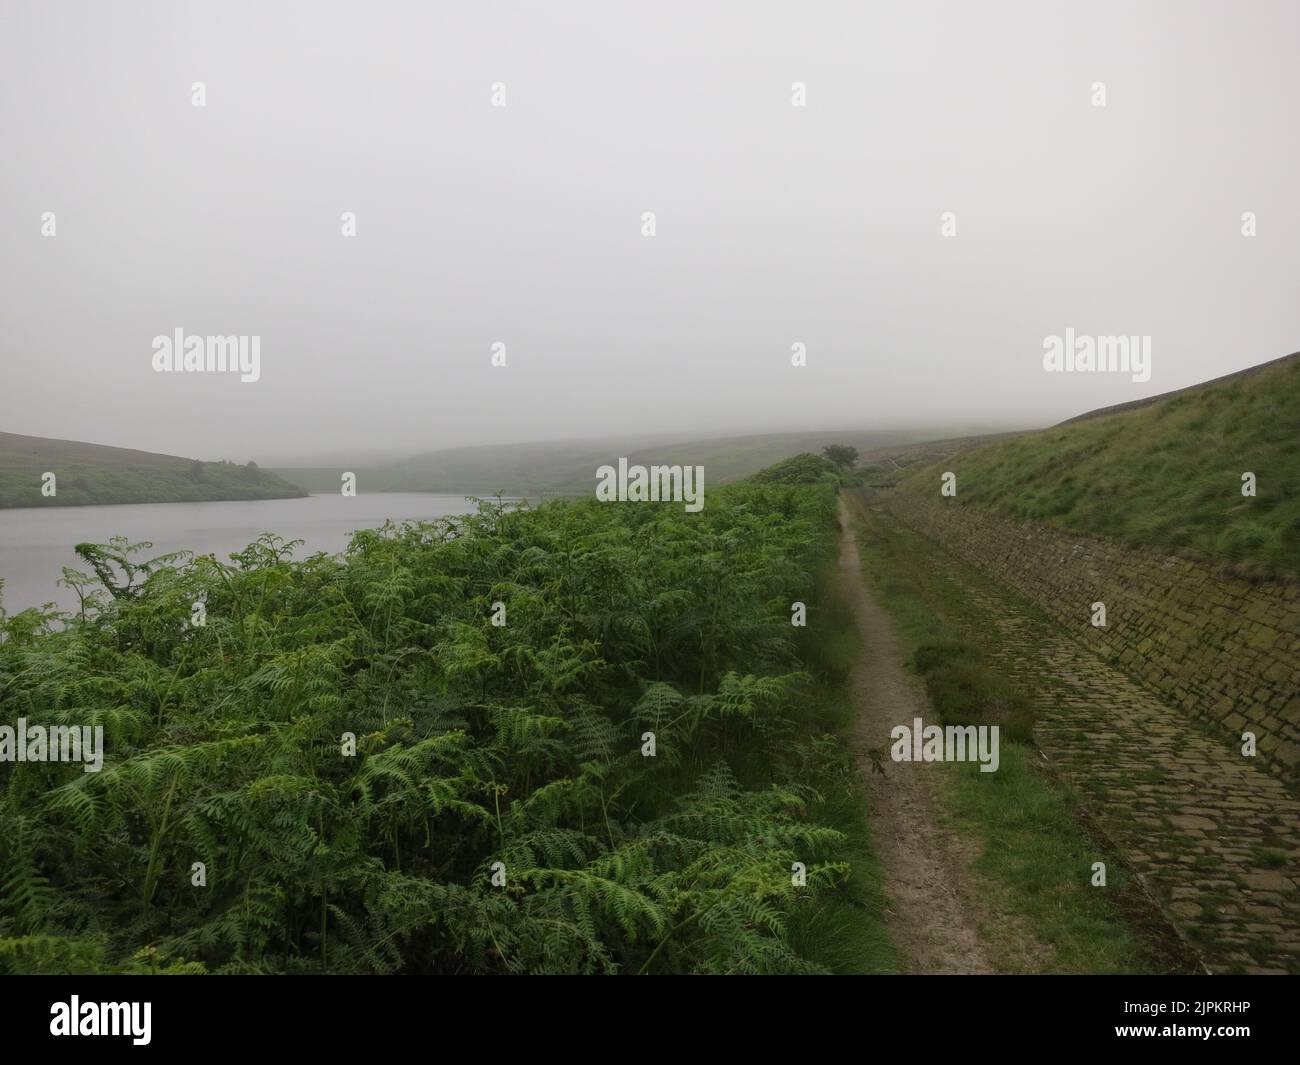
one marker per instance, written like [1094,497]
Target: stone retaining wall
[1220,648]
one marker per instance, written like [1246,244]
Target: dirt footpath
[929,919]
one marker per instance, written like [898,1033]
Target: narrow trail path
[930,919]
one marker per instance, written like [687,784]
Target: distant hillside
[569,467]
[1166,473]
[888,465]
[95,474]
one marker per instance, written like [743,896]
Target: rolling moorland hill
[568,468]
[1164,473]
[96,474]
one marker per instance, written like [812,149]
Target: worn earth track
[1214,837]
[930,918]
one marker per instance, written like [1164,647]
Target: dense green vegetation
[567,468]
[500,813]
[841,456]
[92,473]
[1031,850]
[1167,475]
[801,469]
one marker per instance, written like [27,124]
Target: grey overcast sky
[776,224]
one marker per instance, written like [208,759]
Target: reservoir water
[37,542]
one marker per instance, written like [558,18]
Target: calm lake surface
[37,542]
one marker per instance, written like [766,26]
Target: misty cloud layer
[522,224]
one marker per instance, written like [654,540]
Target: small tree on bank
[843,456]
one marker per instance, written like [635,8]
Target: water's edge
[36,543]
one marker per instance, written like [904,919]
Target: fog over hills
[568,467]
[822,225]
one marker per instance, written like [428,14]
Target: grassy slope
[93,473]
[1166,475]
[569,467]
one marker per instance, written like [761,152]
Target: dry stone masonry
[1220,648]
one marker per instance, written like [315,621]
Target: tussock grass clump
[966,689]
